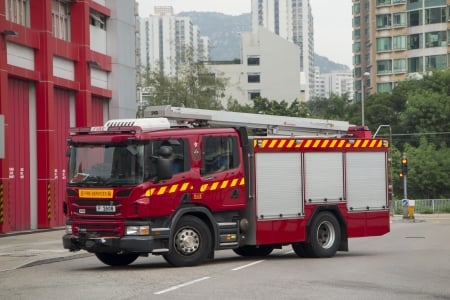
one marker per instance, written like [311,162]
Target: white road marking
[180,286]
[248,265]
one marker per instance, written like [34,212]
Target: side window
[179,161]
[179,155]
[219,154]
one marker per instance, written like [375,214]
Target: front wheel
[191,243]
[324,236]
[116,260]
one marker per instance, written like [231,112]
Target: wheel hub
[187,241]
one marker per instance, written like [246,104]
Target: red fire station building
[63,63]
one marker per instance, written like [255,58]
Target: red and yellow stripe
[291,143]
[187,186]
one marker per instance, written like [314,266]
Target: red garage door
[17,133]
[62,109]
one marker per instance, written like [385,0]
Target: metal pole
[405,189]
[362,102]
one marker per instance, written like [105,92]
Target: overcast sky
[332,21]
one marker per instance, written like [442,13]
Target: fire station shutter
[17,153]
[324,177]
[278,185]
[366,181]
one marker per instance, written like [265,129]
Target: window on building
[356,47]
[435,15]
[356,34]
[253,60]
[18,11]
[399,19]
[356,20]
[357,86]
[97,20]
[384,44]
[385,87]
[399,42]
[415,64]
[61,19]
[383,2]
[220,153]
[435,39]
[384,66]
[356,8]
[415,18]
[415,41]
[357,72]
[253,95]
[384,21]
[438,62]
[356,59]
[253,77]
[399,65]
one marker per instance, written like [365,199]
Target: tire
[253,251]
[301,249]
[116,260]
[324,236]
[191,243]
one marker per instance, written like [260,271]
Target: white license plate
[105,208]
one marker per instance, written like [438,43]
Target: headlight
[137,230]
[69,229]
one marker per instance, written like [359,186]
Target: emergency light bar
[146,124]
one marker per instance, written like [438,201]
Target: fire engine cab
[138,187]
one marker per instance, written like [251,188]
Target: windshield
[109,165]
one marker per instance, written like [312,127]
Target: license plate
[105,208]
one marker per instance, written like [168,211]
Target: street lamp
[366,74]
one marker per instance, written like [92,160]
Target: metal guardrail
[425,206]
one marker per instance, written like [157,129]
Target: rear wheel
[253,250]
[301,249]
[115,260]
[191,243]
[324,236]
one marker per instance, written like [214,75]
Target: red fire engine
[139,187]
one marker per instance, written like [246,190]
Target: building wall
[51,78]
[167,39]
[277,69]
[398,39]
[293,21]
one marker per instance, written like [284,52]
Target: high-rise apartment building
[291,20]
[166,41]
[394,40]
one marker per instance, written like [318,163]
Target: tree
[195,86]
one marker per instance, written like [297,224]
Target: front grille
[83,207]
[97,230]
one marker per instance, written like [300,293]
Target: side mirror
[163,168]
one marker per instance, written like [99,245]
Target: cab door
[222,176]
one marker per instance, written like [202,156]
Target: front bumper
[125,244]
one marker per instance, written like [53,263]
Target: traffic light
[404,165]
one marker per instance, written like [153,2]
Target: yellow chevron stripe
[333,143]
[325,143]
[224,184]
[281,143]
[173,188]
[214,186]
[290,143]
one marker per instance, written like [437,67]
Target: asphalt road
[411,262]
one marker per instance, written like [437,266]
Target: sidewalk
[26,249]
